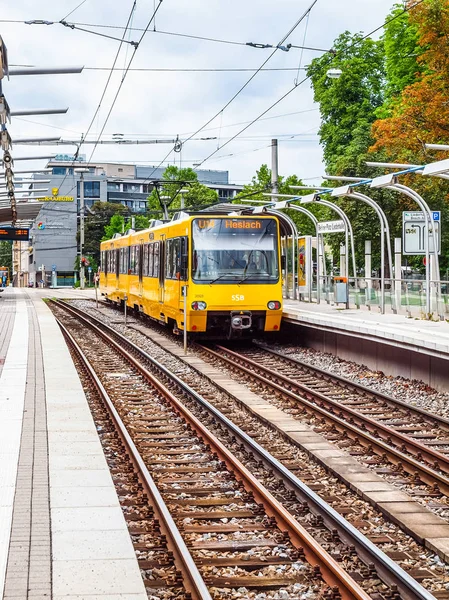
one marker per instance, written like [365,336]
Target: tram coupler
[241,320]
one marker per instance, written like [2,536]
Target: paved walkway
[62,532]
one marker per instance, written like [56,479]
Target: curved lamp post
[348,192]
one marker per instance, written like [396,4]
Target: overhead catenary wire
[153,16]
[331,57]
[74,10]
[284,38]
[105,87]
[75,25]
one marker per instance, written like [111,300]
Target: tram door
[161,270]
[141,259]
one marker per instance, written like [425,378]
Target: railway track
[165,563]
[238,535]
[378,424]
[379,564]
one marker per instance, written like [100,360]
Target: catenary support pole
[274,166]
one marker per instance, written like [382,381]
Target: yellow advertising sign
[57,199]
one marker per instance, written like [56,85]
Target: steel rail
[315,402]
[388,570]
[192,579]
[440,421]
[315,554]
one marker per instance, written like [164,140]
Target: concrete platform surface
[394,344]
[397,329]
[62,531]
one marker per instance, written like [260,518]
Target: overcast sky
[161,105]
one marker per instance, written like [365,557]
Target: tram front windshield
[228,250]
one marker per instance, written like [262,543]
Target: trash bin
[341,290]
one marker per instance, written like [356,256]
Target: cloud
[165,104]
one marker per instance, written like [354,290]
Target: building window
[59,171]
[91,189]
[113,187]
[143,204]
[120,170]
[147,188]
[131,187]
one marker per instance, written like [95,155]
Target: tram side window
[112,255]
[156,259]
[137,265]
[173,259]
[123,267]
[132,260]
[150,260]
[168,251]
[145,260]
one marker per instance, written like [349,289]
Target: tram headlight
[274,305]
[199,305]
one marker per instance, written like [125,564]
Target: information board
[414,232]
[15,234]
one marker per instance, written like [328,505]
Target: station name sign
[57,199]
[331,226]
[15,234]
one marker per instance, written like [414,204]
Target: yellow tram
[228,266]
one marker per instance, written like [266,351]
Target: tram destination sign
[414,232]
[15,234]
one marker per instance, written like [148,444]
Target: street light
[334,73]
[81,172]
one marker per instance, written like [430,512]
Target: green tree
[198,195]
[115,225]
[261,184]
[118,224]
[348,104]
[6,255]
[95,224]
[402,52]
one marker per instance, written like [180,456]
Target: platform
[62,531]
[397,345]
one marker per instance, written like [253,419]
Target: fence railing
[405,296]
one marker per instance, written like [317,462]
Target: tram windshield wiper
[220,277]
[253,275]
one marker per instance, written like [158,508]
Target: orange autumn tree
[420,113]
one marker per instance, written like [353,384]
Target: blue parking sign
[436,215]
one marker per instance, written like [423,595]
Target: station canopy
[26,213]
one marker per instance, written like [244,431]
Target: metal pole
[82,272]
[348,228]
[96,293]
[384,228]
[429,224]
[382,273]
[274,166]
[397,270]
[185,319]
[125,307]
[368,270]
